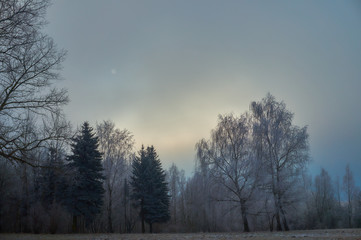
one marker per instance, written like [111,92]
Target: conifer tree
[86,187]
[150,190]
[138,182]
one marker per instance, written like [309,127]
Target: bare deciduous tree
[229,155]
[29,65]
[282,149]
[173,181]
[349,188]
[116,146]
[324,197]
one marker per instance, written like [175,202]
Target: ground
[335,234]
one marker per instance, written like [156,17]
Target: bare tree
[324,197]
[228,153]
[349,188]
[338,191]
[173,180]
[116,146]
[29,65]
[282,149]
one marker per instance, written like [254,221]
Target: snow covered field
[337,234]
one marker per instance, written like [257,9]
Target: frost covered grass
[336,234]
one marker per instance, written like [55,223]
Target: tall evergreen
[150,189]
[85,193]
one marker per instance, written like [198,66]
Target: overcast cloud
[165,69]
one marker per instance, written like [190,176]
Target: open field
[335,234]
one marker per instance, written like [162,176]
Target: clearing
[336,234]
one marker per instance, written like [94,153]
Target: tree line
[250,174]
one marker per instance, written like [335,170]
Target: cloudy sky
[165,69]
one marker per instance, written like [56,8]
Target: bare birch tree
[282,149]
[116,146]
[228,153]
[349,188]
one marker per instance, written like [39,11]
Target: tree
[51,179]
[177,183]
[116,146]
[86,186]
[349,188]
[150,189]
[29,65]
[325,201]
[173,179]
[282,149]
[231,161]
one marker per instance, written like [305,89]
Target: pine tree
[150,189]
[85,193]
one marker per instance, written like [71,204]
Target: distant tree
[173,179]
[357,203]
[86,186]
[282,148]
[349,189]
[29,65]
[116,147]
[324,197]
[51,179]
[150,190]
[130,218]
[229,155]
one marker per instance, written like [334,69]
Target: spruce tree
[138,183]
[150,189]
[85,193]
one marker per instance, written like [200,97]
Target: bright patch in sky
[184,62]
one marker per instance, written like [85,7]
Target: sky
[164,70]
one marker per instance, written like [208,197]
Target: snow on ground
[335,234]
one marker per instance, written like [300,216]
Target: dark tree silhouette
[29,64]
[150,190]
[86,187]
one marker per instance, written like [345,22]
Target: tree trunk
[277,210]
[150,227]
[25,203]
[271,223]
[284,220]
[175,210]
[125,218]
[277,215]
[143,227]
[244,217]
[349,215]
[75,225]
[110,222]
[125,202]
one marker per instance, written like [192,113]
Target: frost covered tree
[229,156]
[173,179]
[85,193]
[349,189]
[324,198]
[282,149]
[150,189]
[116,148]
[29,67]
